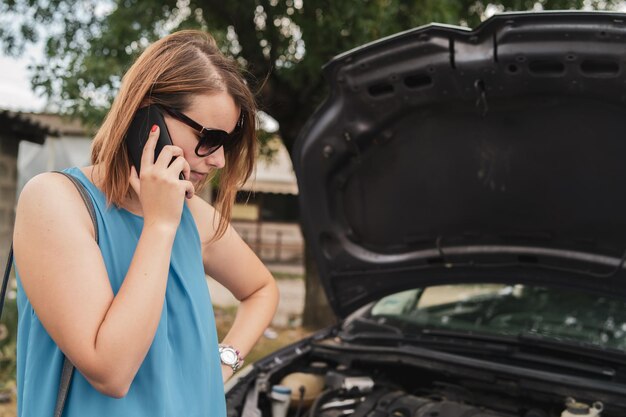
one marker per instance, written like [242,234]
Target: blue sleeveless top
[181,374]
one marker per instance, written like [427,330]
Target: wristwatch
[229,356]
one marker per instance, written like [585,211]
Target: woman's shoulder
[50,196]
[46,186]
[53,186]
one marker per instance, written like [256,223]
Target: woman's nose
[216,159]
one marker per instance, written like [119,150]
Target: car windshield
[509,310]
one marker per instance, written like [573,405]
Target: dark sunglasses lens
[210,142]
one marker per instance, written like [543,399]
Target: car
[464,195]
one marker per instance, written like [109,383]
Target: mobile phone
[138,131]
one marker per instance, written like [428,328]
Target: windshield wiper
[570,346]
[364,324]
[429,338]
[545,344]
[363,327]
[511,347]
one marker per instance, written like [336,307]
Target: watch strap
[239,360]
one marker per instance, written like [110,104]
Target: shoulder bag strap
[68,367]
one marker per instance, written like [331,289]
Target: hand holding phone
[160,193]
[138,132]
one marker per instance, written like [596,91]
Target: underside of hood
[448,155]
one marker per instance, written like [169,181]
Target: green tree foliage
[8,340]
[281,43]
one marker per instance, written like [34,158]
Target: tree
[282,44]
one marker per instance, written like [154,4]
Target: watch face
[228,356]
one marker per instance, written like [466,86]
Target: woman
[133,313]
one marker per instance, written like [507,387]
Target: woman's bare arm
[232,263]
[63,274]
[64,277]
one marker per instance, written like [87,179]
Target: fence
[272,241]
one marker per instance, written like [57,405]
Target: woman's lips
[197,176]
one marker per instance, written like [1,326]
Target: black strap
[68,367]
[86,199]
[5,280]
[64,386]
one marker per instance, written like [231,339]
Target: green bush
[8,338]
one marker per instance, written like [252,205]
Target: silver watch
[229,356]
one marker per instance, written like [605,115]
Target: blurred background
[61,64]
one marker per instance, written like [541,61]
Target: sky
[15,90]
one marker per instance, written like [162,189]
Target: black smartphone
[138,131]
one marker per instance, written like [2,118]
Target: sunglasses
[210,139]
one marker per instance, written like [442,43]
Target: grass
[9,409]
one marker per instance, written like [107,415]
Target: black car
[464,194]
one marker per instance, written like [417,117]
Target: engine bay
[321,383]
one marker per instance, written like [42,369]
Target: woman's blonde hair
[169,72]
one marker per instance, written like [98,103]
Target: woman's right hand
[160,189]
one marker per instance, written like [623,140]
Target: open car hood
[451,155]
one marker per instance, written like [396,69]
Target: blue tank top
[181,374]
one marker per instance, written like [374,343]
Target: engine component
[535,413]
[305,387]
[401,404]
[281,397]
[574,408]
[351,384]
[387,403]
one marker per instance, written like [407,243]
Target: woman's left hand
[227,372]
